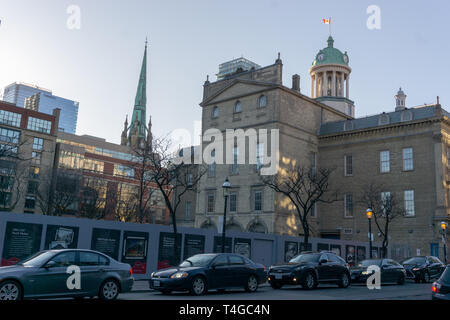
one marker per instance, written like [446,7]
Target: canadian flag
[327,21]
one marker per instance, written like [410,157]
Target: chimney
[296,82]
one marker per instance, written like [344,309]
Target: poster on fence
[243,247]
[168,256]
[360,254]
[61,237]
[336,248]
[134,252]
[218,244]
[193,244]
[290,250]
[350,254]
[21,241]
[106,241]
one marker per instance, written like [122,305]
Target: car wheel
[276,285]
[198,286]
[401,280]
[109,290]
[309,282]
[345,281]
[10,290]
[426,277]
[252,284]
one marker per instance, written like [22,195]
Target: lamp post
[226,190]
[444,239]
[369,214]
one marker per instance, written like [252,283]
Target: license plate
[278,276]
[156,283]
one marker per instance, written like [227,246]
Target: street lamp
[226,191]
[369,214]
[444,239]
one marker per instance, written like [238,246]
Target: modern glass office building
[42,100]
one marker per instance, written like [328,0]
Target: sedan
[65,273]
[391,271]
[441,288]
[423,268]
[202,272]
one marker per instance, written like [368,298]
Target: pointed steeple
[138,118]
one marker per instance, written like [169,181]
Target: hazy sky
[98,65]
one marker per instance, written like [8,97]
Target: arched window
[262,101]
[238,106]
[215,112]
[406,115]
[383,119]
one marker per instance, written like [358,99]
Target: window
[348,165]
[383,119]
[212,166]
[236,260]
[188,210]
[262,101]
[234,166]
[257,200]
[210,202]
[6,182]
[38,143]
[384,161]
[9,136]
[313,160]
[92,259]
[385,201]
[313,210]
[30,202]
[189,179]
[5,199]
[233,201]
[34,173]
[237,107]
[349,110]
[408,159]
[65,259]
[215,112]
[10,118]
[119,169]
[221,260]
[39,125]
[348,205]
[259,155]
[409,203]
[36,158]
[32,187]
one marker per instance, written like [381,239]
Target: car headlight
[366,272]
[416,269]
[179,275]
[152,274]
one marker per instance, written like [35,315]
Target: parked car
[202,272]
[45,275]
[309,269]
[423,268]
[391,271]
[441,288]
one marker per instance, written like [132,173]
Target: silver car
[73,273]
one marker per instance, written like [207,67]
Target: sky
[98,64]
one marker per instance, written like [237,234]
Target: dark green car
[65,273]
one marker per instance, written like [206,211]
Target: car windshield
[37,259]
[415,260]
[302,258]
[199,260]
[366,263]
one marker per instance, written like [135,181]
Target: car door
[323,267]
[219,274]
[52,281]
[93,268]
[239,272]
[435,267]
[335,267]
[388,271]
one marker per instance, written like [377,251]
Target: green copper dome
[330,55]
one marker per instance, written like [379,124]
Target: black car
[309,269]
[441,288]
[202,272]
[391,271]
[423,268]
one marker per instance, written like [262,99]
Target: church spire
[137,123]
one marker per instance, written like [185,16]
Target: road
[408,291]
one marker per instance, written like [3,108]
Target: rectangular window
[234,166]
[6,183]
[210,202]
[233,202]
[212,166]
[30,202]
[348,165]
[408,159]
[258,201]
[188,210]
[313,210]
[39,125]
[119,169]
[9,136]
[38,143]
[36,158]
[313,162]
[348,205]
[10,118]
[259,155]
[409,203]
[189,180]
[32,187]
[385,201]
[385,161]
[5,199]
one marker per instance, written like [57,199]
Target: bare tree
[385,207]
[304,187]
[93,198]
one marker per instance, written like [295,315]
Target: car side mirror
[323,261]
[50,264]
